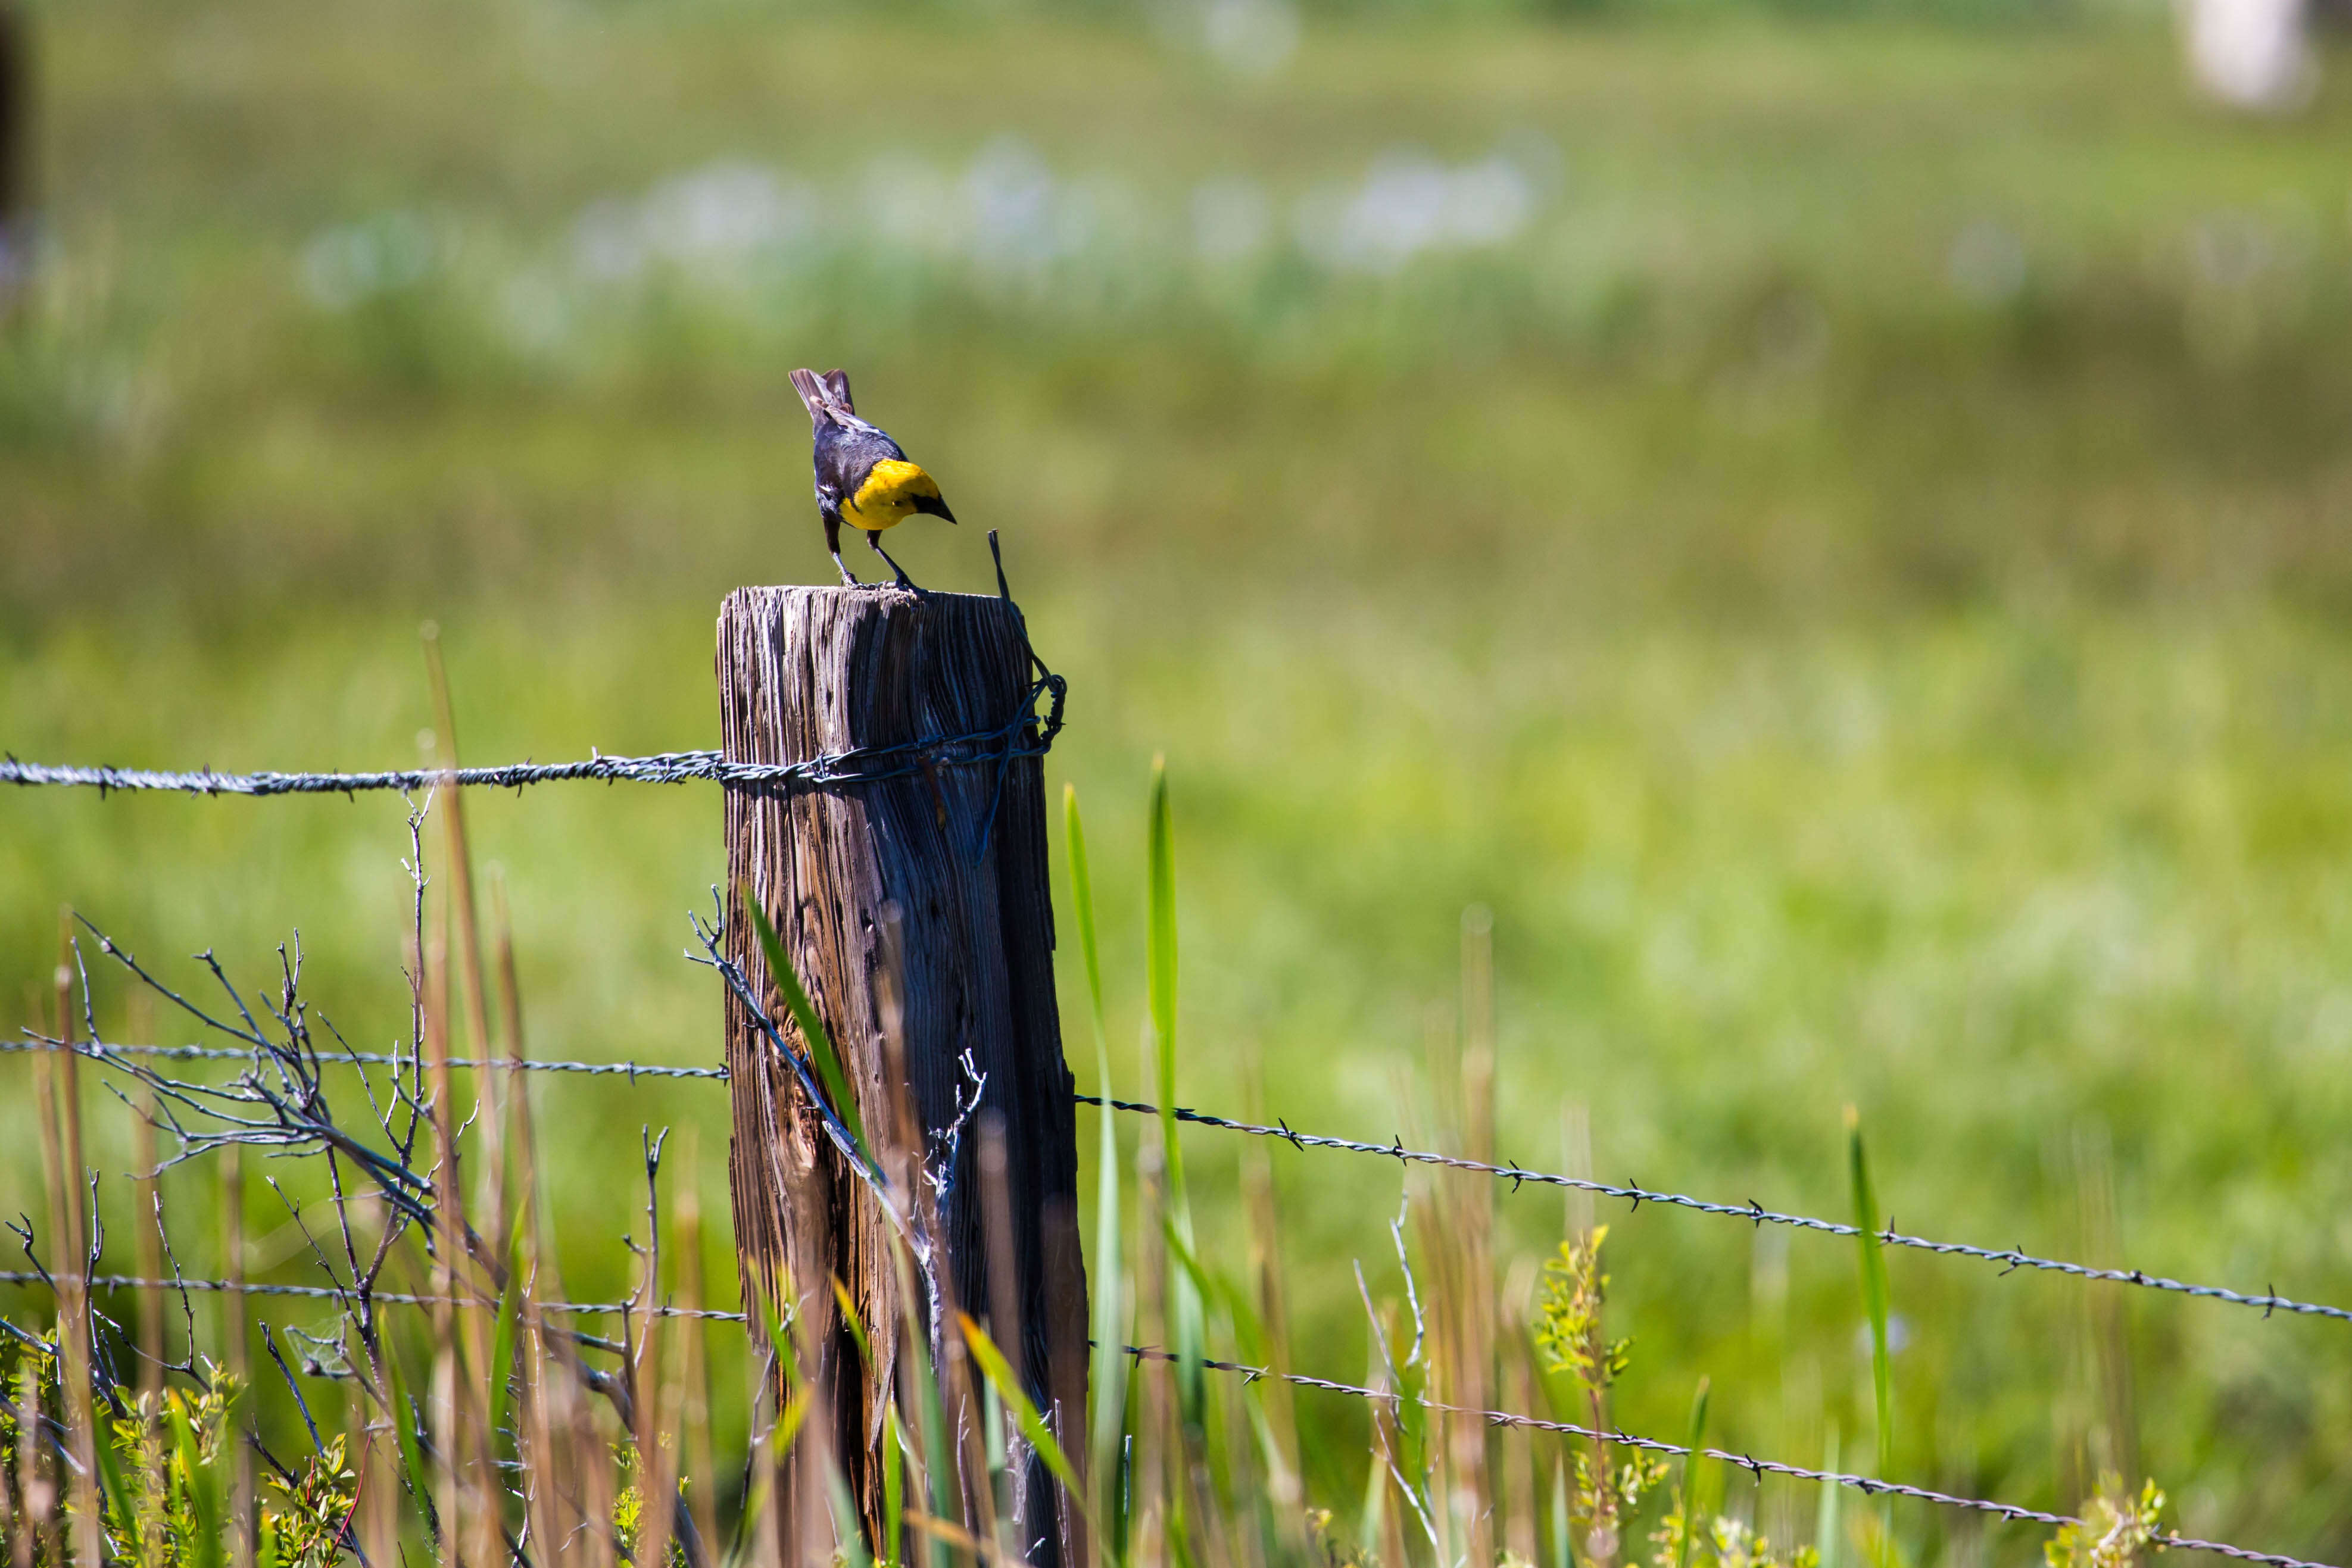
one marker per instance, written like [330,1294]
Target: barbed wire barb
[1635,1194]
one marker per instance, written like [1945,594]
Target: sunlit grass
[1852,586]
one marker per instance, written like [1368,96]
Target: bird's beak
[934,506]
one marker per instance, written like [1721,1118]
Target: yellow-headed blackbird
[862,477]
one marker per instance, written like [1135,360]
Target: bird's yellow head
[895,491]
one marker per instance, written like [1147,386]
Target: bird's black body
[858,466]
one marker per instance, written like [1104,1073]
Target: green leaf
[1108,1388]
[894,1486]
[203,1489]
[1161,961]
[502,1339]
[1563,1549]
[812,1030]
[404,1422]
[1001,1377]
[1689,1488]
[1875,1302]
[1825,1516]
[1187,1319]
[1873,1290]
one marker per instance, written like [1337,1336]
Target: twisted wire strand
[2012,1258]
[859,764]
[631,1069]
[1868,1486]
[325,1292]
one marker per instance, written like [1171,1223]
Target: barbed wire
[631,1069]
[859,764]
[2012,1258]
[1868,1485]
[333,1293]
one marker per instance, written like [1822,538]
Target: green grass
[1841,686]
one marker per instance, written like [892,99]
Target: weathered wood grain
[959,854]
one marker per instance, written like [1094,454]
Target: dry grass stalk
[147,1218]
[655,1393]
[1156,1406]
[1515,1309]
[462,909]
[693,1337]
[234,1335]
[465,1500]
[69,1222]
[35,1531]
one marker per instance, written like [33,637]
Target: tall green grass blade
[403,1421]
[812,1030]
[1160,961]
[1826,1521]
[1187,1318]
[1875,1302]
[1108,1383]
[1563,1548]
[206,1510]
[894,1486]
[1873,1290]
[502,1339]
[1082,902]
[1689,1499]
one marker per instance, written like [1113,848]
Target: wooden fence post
[946,853]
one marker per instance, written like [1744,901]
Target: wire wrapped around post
[914,904]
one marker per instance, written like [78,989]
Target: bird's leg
[832,544]
[904,580]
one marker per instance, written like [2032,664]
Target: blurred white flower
[724,212]
[2251,54]
[1408,203]
[1898,1336]
[714,217]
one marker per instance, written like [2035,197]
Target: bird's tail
[827,396]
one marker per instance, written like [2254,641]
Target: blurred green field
[1835,532]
